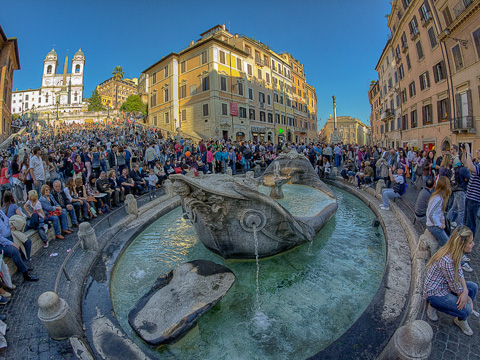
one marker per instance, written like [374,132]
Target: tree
[95,102]
[117,76]
[134,104]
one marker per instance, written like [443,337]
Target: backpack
[455,178]
[400,188]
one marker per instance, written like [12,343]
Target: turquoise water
[309,296]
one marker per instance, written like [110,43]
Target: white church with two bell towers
[62,91]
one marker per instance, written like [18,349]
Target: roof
[79,52]
[383,52]
[52,52]
[217,26]
[15,45]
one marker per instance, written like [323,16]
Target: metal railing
[463,123]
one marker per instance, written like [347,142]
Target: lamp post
[58,103]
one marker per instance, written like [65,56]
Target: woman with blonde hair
[436,210]
[445,288]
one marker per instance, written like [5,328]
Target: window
[262,116]
[182,91]
[424,81]
[457,57]
[424,12]
[154,78]
[396,77]
[476,41]
[166,71]
[439,72]
[252,114]
[250,93]
[242,112]
[411,89]
[183,66]
[273,65]
[193,89]
[267,78]
[239,64]
[240,88]
[259,74]
[249,70]
[77,69]
[390,83]
[155,120]
[269,99]
[443,110]
[222,57]
[419,50]
[224,109]
[205,109]
[247,49]
[397,99]
[49,69]
[223,83]
[447,16]
[405,122]
[277,118]
[153,99]
[413,26]
[270,118]
[397,52]
[432,37]
[26,97]
[427,114]
[401,72]
[406,3]
[204,58]
[184,115]
[413,119]
[409,65]
[261,98]
[404,41]
[392,105]
[206,83]
[165,95]
[283,120]
[281,99]
[167,118]
[275,97]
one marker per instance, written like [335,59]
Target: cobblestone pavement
[27,338]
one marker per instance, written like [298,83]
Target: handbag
[91,198]
[22,177]
[55,213]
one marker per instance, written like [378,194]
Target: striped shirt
[440,278]
[473,189]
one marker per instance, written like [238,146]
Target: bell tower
[50,68]
[78,64]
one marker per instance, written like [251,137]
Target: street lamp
[58,103]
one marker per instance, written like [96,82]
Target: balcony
[387,115]
[464,124]
[414,34]
[259,61]
[461,6]
[427,19]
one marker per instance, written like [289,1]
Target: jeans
[439,234]
[458,208]
[57,220]
[337,160]
[232,166]
[39,187]
[471,210]
[388,194]
[12,252]
[424,178]
[448,303]
[414,176]
[72,214]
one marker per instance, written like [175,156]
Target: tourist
[37,171]
[366,178]
[87,159]
[421,205]
[414,166]
[92,192]
[460,179]
[382,166]
[428,168]
[81,192]
[36,218]
[80,206]
[446,166]
[116,186]
[152,182]
[445,288]
[398,189]
[4,178]
[78,167]
[54,213]
[140,184]
[62,200]
[103,187]
[472,203]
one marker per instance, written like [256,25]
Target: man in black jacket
[104,188]
[140,184]
[112,157]
[62,200]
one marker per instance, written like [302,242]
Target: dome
[79,53]
[52,53]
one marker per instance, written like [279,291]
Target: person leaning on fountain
[398,187]
[445,288]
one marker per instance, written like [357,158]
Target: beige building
[351,130]
[228,86]
[121,89]
[9,62]
[438,75]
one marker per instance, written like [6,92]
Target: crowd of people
[78,172]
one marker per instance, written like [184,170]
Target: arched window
[77,69]
[49,69]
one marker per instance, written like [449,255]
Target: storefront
[258,133]
[239,136]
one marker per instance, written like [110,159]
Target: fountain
[225,210]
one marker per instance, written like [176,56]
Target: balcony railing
[387,115]
[461,6]
[464,123]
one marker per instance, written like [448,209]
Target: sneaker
[384,207]
[45,244]
[463,324]
[4,300]
[465,258]
[467,267]
[6,294]
[432,313]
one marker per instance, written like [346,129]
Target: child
[152,181]
[34,205]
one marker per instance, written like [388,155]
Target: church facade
[59,91]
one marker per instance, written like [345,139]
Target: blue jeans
[57,220]
[439,234]
[458,208]
[39,187]
[232,166]
[448,303]
[73,216]
[12,252]
[471,210]
[337,160]
[388,194]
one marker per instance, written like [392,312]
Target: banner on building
[233,109]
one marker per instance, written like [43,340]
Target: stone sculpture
[227,213]
[176,300]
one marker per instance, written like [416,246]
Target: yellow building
[226,86]
[9,62]
[109,89]
[351,130]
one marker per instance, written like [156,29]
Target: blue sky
[339,42]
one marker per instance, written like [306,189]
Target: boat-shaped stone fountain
[227,211]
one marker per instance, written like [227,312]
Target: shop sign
[258,129]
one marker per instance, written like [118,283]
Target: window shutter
[448,108]
[458,102]
[427,6]
[444,69]
[428,80]
[421,82]
[404,4]
[435,75]
[420,13]
[469,102]
[439,111]
[423,114]
[410,26]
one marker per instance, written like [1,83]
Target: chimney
[236,35]
[223,27]
[192,42]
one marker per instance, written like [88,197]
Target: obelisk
[335,138]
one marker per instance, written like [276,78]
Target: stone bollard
[334,173]
[412,341]
[380,186]
[257,170]
[87,236]
[250,175]
[131,205]
[169,188]
[56,316]
[229,171]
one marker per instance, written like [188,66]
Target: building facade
[62,92]
[231,87]
[438,75]
[122,89]
[351,131]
